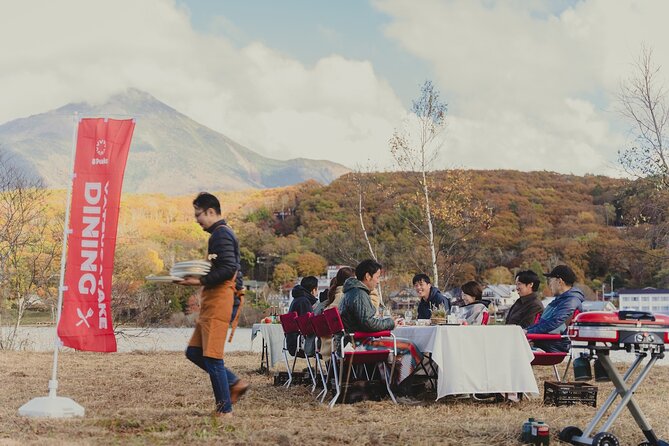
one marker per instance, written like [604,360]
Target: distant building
[503,296]
[404,299]
[647,299]
[598,305]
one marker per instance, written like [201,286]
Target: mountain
[170,153]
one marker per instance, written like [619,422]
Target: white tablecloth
[476,359]
[272,335]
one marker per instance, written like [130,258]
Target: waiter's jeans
[221,377]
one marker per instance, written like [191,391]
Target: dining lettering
[92,246]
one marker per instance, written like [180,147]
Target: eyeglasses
[197,214]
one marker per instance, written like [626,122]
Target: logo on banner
[84,318]
[100,150]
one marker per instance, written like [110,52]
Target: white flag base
[52,407]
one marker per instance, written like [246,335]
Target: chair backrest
[304,322]
[320,325]
[573,316]
[485,319]
[334,320]
[289,322]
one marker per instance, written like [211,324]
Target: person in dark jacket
[557,314]
[430,296]
[206,346]
[304,297]
[524,310]
[356,309]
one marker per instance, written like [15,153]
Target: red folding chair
[290,326]
[349,359]
[552,358]
[322,331]
[485,319]
[307,330]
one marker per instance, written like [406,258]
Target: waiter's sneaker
[238,390]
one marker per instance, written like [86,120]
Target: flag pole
[54,406]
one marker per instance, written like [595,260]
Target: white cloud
[80,50]
[528,89]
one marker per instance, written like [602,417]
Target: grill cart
[636,332]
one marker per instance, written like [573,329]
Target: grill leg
[609,401]
[627,395]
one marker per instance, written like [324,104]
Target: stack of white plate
[196,268]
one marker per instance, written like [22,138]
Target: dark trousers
[221,377]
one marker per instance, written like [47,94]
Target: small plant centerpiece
[438,315]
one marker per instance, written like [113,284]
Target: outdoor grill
[637,332]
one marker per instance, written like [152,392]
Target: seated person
[335,294]
[304,297]
[356,309]
[358,314]
[559,312]
[430,296]
[475,307]
[524,310]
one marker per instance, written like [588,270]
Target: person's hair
[529,277]
[473,289]
[310,283]
[420,276]
[367,266]
[344,273]
[205,200]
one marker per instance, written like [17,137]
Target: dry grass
[161,398]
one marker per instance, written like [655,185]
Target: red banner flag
[99,163]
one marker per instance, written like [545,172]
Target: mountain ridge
[42,144]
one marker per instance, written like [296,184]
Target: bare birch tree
[361,178]
[419,156]
[643,101]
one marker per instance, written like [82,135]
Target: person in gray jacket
[356,309]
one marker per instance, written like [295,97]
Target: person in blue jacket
[430,296]
[558,313]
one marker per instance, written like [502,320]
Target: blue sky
[310,29]
[530,84]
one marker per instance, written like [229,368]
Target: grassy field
[161,398]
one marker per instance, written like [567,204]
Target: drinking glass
[408,315]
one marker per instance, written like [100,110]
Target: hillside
[498,222]
[170,153]
[538,219]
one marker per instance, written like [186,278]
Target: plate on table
[163,278]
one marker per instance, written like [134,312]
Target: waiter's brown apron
[212,324]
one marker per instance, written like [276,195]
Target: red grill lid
[624,317]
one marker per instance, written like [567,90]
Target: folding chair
[553,358]
[290,326]
[307,330]
[322,331]
[349,359]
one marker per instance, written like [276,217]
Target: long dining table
[474,359]
[470,359]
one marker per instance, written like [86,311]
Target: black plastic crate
[281,378]
[567,394]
